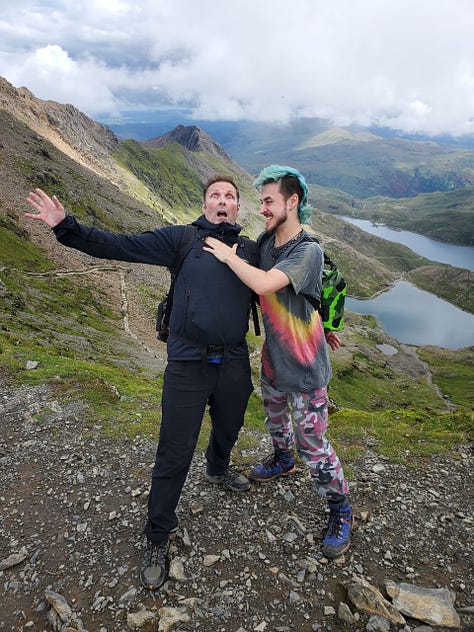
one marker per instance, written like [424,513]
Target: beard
[279,223]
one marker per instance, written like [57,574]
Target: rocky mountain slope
[80,372]
[190,137]
[85,141]
[71,544]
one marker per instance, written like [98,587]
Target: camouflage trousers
[308,429]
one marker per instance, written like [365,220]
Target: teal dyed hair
[276,173]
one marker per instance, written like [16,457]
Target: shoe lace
[336,520]
[230,474]
[269,460]
[156,554]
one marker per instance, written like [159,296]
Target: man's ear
[294,200]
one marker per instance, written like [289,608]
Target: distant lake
[415,316]
[458,256]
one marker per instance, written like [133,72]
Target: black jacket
[210,305]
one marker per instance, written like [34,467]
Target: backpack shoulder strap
[327,260]
[251,250]
[187,241]
[252,254]
[314,302]
[188,238]
[262,238]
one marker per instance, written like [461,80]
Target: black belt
[215,350]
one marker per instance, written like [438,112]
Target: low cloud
[407,65]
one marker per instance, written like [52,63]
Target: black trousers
[187,388]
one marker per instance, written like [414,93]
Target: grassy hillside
[351,159]
[446,216]
[165,172]
[87,325]
[176,174]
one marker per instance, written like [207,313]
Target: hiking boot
[338,534]
[155,565]
[230,479]
[279,463]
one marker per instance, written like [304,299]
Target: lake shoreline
[408,313]
[458,256]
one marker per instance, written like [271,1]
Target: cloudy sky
[406,64]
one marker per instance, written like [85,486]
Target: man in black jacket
[208,361]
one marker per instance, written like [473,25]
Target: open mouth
[221,213]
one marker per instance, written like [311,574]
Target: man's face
[273,207]
[220,204]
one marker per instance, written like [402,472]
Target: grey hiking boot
[230,479]
[155,565]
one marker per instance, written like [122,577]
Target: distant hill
[363,162]
[88,324]
[176,164]
[406,182]
[354,160]
[416,185]
[129,186]
[445,216]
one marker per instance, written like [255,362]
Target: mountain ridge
[80,391]
[377,174]
[161,184]
[255,145]
[78,136]
[191,137]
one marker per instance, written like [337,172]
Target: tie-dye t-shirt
[295,355]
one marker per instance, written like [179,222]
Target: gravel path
[73,507]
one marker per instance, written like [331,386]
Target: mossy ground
[127,403]
[70,327]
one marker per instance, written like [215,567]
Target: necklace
[277,251]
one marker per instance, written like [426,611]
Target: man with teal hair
[296,368]
[277,173]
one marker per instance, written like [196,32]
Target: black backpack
[333,290]
[188,239]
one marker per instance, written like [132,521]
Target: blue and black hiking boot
[279,463]
[338,534]
[155,565]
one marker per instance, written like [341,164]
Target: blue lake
[458,256]
[417,317]
[414,316]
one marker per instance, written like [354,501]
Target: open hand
[219,249]
[50,210]
[332,339]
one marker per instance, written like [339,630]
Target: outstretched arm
[260,281]
[50,210]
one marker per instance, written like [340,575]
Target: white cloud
[50,73]
[408,64]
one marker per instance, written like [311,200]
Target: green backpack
[333,290]
[333,295]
